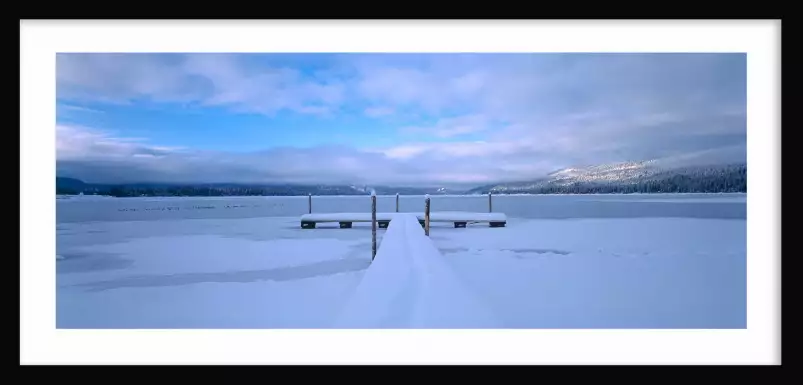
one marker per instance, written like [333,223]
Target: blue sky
[399,119]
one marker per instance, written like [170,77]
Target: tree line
[136,191]
[699,180]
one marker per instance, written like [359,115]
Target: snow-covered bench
[459,218]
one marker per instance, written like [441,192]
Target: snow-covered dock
[410,285]
[459,218]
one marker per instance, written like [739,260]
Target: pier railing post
[490,205]
[397,202]
[426,216]
[309,203]
[373,226]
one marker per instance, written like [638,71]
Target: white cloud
[77,142]
[452,126]
[97,156]
[440,150]
[207,79]
[68,108]
[430,89]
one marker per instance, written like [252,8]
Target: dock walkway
[409,285]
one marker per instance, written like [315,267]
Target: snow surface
[610,273]
[410,286]
[244,273]
[613,269]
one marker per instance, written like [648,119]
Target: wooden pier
[459,218]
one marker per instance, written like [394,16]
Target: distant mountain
[71,186]
[69,183]
[630,177]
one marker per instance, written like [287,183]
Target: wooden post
[309,203]
[397,202]
[426,216]
[490,205]
[373,226]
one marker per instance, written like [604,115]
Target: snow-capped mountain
[607,173]
[643,176]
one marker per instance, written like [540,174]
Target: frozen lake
[583,261]
[707,206]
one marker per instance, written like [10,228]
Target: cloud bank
[458,119]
